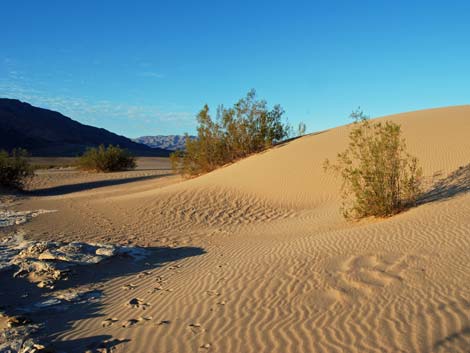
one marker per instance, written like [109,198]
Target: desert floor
[255,257]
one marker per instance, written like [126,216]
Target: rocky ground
[45,264]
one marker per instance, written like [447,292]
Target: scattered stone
[16,338]
[29,346]
[15,321]
[10,218]
[47,303]
[61,300]
[206,346]
[45,263]
[78,296]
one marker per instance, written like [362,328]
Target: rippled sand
[276,268]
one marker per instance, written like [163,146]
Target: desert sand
[255,257]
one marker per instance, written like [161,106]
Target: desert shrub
[14,168]
[380,178]
[106,159]
[246,128]
[301,129]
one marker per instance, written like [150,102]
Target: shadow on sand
[56,320]
[456,183]
[67,189]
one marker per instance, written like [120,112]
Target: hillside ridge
[45,132]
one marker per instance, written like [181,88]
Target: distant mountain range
[45,133]
[167,142]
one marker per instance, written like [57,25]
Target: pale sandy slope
[282,271]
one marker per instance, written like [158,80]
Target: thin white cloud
[151,74]
[19,85]
[93,111]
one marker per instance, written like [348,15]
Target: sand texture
[255,257]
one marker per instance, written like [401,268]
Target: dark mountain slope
[45,132]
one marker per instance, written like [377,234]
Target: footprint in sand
[129,323]
[144,274]
[145,318]
[174,267]
[109,322]
[137,303]
[160,279]
[213,293]
[366,274]
[133,322]
[129,286]
[105,346]
[155,289]
[196,328]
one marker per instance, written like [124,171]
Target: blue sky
[147,67]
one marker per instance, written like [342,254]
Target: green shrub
[106,159]
[301,129]
[14,168]
[248,127]
[379,177]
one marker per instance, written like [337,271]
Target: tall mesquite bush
[236,132]
[380,178]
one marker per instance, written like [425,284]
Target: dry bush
[106,159]
[380,178]
[301,129]
[14,168]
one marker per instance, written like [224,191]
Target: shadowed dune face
[284,272]
[456,183]
[71,188]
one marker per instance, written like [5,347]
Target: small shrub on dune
[380,178]
[106,159]
[301,129]
[14,168]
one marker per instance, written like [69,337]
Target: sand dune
[280,271]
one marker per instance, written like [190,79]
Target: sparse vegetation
[246,128]
[380,178]
[14,168]
[106,159]
[301,129]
